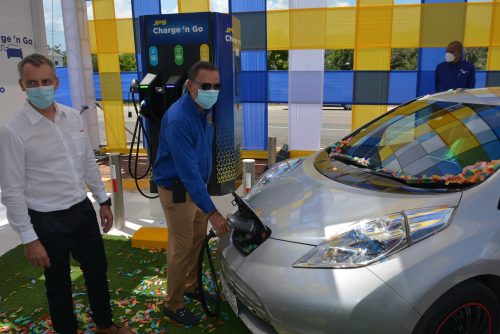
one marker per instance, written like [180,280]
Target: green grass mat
[137,283]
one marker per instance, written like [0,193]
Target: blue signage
[153,55]
[178,29]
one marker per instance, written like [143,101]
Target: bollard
[117,197]
[248,175]
[271,151]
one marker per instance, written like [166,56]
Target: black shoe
[182,316]
[196,294]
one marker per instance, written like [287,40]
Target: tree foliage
[404,59]
[477,57]
[336,60]
[277,60]
[58,49]
[128,62]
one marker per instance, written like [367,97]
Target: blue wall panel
[241,6]
[278,86]
[402,86]
[338,87]
[254,134]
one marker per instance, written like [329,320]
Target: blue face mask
[41,97]
[207,98]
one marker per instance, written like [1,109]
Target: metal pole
[117,197]
[248,175]
[271,151]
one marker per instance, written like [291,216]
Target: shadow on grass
[137,284]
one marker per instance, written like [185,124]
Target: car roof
[488,95]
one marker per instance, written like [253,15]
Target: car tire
[470,308]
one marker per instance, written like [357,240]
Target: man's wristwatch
[106,202]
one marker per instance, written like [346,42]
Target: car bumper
[273,296]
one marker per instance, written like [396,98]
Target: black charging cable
[210,294]
[139,130]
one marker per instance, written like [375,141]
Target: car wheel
[469,308]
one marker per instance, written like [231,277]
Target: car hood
[301,205]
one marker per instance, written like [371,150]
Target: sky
[55,29]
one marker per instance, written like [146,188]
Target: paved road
[336,124]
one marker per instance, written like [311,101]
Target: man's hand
[36,254]
[219,223]
[106,218]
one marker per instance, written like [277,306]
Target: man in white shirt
[45,161]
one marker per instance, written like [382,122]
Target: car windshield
[427,143]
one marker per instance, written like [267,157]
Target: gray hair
[201,65]
[36,60]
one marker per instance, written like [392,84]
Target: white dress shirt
[45,165]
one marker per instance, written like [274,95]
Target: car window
[429,142]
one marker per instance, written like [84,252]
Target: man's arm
[436,79]
[12,183]
[471,83]
[186,164]
[96,186]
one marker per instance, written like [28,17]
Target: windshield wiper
[436,184]
[349,161]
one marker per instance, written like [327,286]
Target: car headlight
[370,240]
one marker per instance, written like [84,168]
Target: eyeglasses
[207,86]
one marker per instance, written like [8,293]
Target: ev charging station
[170,45]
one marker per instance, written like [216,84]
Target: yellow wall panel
[103,9]
[92,38]
[278,30]
[115,124]
[495,29]
[307,28]
[125,35]
[406,26]
[374,2]
[494,58]
[372,59]
[374,26]
[193,6]
[477,24]
[340,27]
[111,86]
[105,31]
[108,62]
[362,114]
[441,24]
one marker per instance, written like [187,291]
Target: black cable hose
[136,138]
[211,307]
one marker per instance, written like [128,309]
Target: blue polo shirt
[185,151]
[453,76]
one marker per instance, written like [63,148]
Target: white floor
[139,211]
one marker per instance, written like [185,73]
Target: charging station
[170,45]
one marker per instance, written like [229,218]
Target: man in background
[454,72]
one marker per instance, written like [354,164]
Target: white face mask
[449,57]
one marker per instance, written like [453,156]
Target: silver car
[394,229]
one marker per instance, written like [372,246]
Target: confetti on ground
[137,283]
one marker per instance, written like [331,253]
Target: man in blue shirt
[454,72]
[182,170]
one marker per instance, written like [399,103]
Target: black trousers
[73,231]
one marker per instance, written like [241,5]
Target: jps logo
[229,30]
[160,22]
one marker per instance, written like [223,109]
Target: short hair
[457,44]
[37,60]
[201,65]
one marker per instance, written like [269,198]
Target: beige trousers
[187,229]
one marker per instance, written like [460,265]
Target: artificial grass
[137,283]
